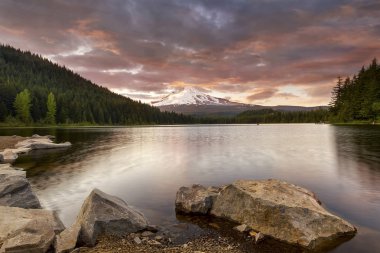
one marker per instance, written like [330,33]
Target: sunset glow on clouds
[262,52]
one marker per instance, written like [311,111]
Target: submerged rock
[33,143]
[108,215]
[40,142]
[27,230]
[15,189]
[195,199]
[281,210]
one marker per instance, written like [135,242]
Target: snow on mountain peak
[191,96]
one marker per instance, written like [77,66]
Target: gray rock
[15,189]
[27,230]
[283,211]
[67,240]
[195,199]
[105,214]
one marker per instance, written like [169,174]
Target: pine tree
[51,109]
[22,106]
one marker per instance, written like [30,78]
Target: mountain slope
[78,99]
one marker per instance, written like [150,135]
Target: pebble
[146,234]
[153,242]
[259,237]
[158,238]
[137,240]
[242,228]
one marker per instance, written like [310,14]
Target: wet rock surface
[195,199]
[280,210]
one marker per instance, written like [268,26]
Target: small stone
[185,246]
[137,240]
[154,242]
[252,233]
[242,228]
[259,237]
[158,238]
[146,234]
[214,225]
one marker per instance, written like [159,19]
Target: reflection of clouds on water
[145,166]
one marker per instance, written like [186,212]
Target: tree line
[31,85]
[357,98]
[263,116]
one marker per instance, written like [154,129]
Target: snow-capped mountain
[191,96]
[191,101]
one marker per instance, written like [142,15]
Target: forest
[35,90]
[264,116]
[357,98]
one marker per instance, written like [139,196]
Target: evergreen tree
[22,106]
[51,109]
[358,98]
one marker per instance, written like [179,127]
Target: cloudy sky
[255,51]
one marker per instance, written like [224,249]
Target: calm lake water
[146,165]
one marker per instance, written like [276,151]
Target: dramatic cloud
[268,52]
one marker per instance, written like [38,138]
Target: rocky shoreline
[259,216]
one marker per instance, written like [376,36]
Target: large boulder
[28,230]
[195,199]
[283,211]
[15,189]
[108,215]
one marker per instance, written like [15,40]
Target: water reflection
[146,165]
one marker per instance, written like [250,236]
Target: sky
[268,52]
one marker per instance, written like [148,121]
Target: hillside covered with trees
[357,98]
[33,89]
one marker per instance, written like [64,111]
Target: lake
[145,166]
